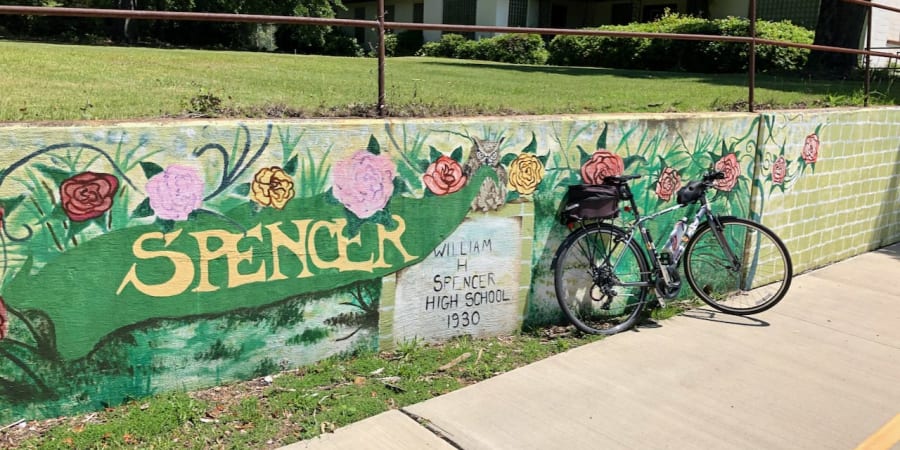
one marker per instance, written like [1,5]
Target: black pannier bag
[589,202]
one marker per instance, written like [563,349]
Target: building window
[653,12]
[418,13]
[359,32]
[558,16]
[518,13]
[460,12]
[389,11]
[800,12]
[622,13]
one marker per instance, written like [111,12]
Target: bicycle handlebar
[713,175]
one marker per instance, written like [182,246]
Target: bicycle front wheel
[742,268]
[602,279]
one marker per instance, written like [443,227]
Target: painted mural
[143,258]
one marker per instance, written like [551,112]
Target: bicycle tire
[584,258]
[762,278]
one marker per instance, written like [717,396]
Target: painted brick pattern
[849,202]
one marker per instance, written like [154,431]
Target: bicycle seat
[621,179]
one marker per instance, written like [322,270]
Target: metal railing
[380,26]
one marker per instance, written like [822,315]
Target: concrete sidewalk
[821,370]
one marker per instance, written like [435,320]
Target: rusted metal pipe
[381,57]
[873,5]
[867,84]
[751,69]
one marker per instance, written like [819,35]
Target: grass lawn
[67,82]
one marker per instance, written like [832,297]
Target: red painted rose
[87,195]
[779,170]
[444,176]
[602,164]
[669,182]
[4,320]
[729,165]
[810,152]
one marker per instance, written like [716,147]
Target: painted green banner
[212,264]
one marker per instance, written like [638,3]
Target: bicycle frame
[638,226]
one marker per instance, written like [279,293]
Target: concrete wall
[148,257]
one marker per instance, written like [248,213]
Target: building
[591,13]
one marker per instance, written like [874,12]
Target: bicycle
[603,277]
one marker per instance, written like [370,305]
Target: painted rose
[4,320]
[444,176]
[669,182]
[364,183]
[602,164]
[729,165]
[175,192]
[779,170]
[525,173]
[272,186]
[810,152]
[87,195]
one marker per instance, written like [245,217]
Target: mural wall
[142,258]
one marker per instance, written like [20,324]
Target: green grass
[66,82]
[302,403]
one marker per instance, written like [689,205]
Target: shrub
[695,56]
[447,47]
[508,48]
[513,48]
[409,42]
[390,44]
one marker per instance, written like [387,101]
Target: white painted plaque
[469,285]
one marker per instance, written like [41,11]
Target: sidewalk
[821,370]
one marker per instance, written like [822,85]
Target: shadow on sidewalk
[711,315]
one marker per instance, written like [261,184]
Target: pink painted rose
[364,183]
[669,182]
[729,165]
[444,176]
[175,192]
[602,164]
[779,170]
[87,195]
[810,152]
[4,320]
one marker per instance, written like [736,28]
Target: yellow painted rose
[525,173]
[272,187]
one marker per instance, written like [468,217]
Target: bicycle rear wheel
[601,281]
[753,281]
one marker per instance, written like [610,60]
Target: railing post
[868,56]
[381,57]
[751,69]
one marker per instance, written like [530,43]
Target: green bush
[409,42]
[508,48]
[447,47]
[694,56]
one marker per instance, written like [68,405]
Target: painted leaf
[374,147]
[434,153]
[143,209]
[150,169]
[532,146]
[601,141]
[54,173]
[290,167]
[457,154]
[242,189]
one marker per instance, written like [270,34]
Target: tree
[840,24]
